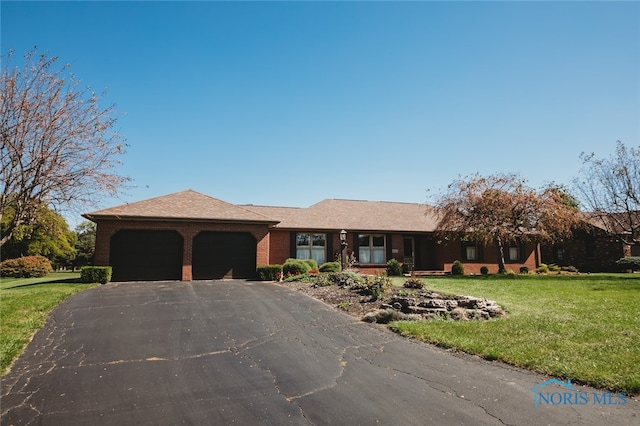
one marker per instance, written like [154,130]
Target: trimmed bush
[629,263]
[95,274]
[524,269]
[269,272]
[484,270]
[295,267]
[394,268]
[457,268]
[330,267]
[26,267]
[313,265]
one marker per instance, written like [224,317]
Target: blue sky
[289,103]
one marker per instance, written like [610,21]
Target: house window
[371,249]
[471,251]
[311,246]
[514,253]
[560,254]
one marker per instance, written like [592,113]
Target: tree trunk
[500,252]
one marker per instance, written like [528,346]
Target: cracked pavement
[242,352]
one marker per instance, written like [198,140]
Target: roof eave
[95,218]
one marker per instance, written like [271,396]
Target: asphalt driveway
[238,352]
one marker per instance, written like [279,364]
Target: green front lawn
[586,327]
[25,304]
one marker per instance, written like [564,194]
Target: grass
[585,327]
[25,304]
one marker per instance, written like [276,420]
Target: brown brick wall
[107,228]
[273,246]
[279,247]
[452,251]
[588,254]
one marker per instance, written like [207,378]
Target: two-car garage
[182,236]
[155,255]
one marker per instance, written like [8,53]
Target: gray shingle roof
[187,205]
[335,214]
[330,214]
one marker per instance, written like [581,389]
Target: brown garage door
[146,255]
[223,255]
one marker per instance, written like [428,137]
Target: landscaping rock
[397,305]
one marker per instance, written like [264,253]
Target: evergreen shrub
[294,267]
[95,274]
[457,268]
[394,268]
[269,272]
[330,267]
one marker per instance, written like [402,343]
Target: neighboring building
[188,235]
[592,249]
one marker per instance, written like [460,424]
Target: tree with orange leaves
[501,208]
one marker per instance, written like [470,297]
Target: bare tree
[501,208]
[57,144]
[609,189]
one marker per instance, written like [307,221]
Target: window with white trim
[311,246]
[372,249]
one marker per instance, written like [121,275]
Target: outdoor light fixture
[343,235]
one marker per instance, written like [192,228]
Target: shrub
[457,268]
[570,268]
[26,267]
[322,280]
[394,268]
[413,283]
[484,270]
[269,272]
[295,267]
[373,286]
[524,269]
[629,263]
[330,267]
[312,263]
[509,273]
[95,274]
[554,268]
[345,279]
[542,269]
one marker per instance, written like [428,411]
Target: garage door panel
[146,255]
[223,255]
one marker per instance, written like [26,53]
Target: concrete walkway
[237,352]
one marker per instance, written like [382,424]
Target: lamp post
[343,251]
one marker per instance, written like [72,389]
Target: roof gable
[185,205]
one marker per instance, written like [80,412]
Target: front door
[409,254]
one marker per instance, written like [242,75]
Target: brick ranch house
[192,236]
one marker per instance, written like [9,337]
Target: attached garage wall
[140,255]
[105,253]
[224,255]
